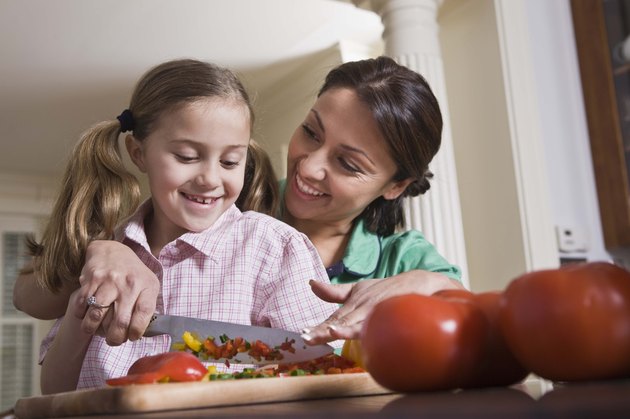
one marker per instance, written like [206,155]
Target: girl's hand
[359,298]
[62,363]
[116,277]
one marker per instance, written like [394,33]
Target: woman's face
[338,161]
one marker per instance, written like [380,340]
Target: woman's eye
[349,167]
[309,132]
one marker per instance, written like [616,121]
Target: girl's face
[195,161]
[338,161]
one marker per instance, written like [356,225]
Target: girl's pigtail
[260,189]
[97,193]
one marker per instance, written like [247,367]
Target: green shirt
[369,255]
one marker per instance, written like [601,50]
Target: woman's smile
[306,189]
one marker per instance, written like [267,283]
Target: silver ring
[91,302]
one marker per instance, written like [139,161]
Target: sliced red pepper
[144,378]
[169,366]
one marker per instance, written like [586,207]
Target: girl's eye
[229,164]
[185,159]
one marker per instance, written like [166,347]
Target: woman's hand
[118,280]
[359,298]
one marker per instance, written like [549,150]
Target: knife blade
[175,326]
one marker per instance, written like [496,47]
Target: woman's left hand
[359,298]
[125,288]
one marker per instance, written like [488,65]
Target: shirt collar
[134,227]
[206,242]
[210,241]
[363,252]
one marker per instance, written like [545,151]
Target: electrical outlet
[571,239]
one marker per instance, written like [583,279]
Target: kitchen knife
[175,326]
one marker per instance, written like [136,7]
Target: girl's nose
[208,176]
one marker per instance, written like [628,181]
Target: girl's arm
[359,298]
[37,301]
[62,363]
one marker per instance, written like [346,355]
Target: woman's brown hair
[98,192]
[410,121]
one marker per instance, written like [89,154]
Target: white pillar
[411,38]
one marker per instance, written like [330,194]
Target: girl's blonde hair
[98,192]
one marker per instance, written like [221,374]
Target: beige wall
[481,141]
[281,108]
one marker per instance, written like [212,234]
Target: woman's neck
[330,239]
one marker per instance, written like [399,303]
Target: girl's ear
[396,188]
[134,148]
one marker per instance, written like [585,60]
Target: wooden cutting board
[174,396]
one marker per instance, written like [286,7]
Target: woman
[365,144]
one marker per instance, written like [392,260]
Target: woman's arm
[37,301]
[359,298]
[116,277]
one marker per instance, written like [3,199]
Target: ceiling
[66,64]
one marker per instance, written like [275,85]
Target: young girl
[191,125]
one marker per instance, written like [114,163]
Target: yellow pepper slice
[352,350]
[191,341]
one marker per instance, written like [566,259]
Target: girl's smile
[199,199]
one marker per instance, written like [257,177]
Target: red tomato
[174,366]
[571,323]
[499,367]
[420,343]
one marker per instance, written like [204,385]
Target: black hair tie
[126,121]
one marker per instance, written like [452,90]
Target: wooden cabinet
[601,27]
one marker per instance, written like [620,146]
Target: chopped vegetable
[191,341]
[229,348]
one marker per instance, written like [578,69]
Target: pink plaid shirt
[248,268]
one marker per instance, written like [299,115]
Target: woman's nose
[313,165]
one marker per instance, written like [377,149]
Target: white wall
[563,121]
[477,85]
